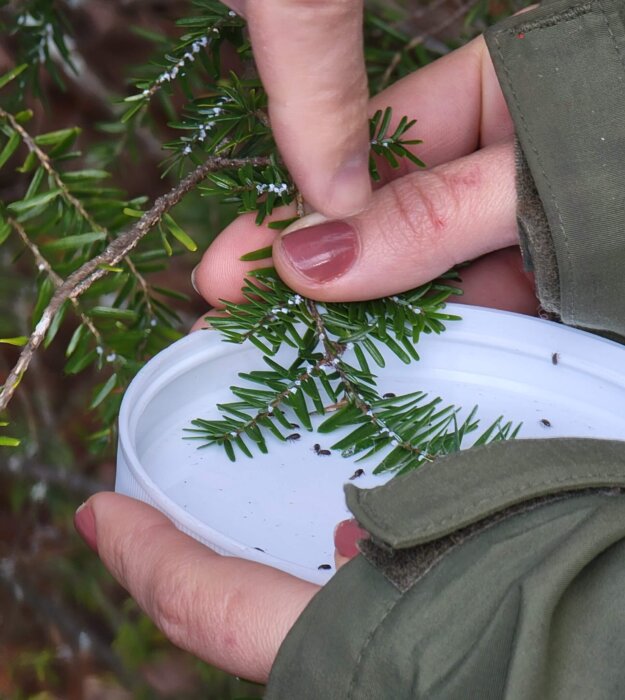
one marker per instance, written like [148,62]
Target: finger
[347,535]
[310,59]
[499,281]
[458,105]
[221,272]
[229,612]
[418,227]
[204,322]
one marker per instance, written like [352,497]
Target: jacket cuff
[472,619]
[537,249]
[561,67]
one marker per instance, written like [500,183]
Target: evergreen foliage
[334,347]
[68,214]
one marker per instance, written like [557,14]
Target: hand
[232,613]
[420,223]
[310,59]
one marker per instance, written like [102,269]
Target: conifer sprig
[40,31]
[391,146]
[328,371]
[194,55]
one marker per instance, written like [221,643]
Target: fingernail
[322,251]
[193,283]
[84,522]
[346,536]
[350,188]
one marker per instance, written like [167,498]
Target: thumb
[232,613]
[416,228]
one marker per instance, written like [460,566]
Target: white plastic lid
[281,509]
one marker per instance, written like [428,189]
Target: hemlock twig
[81,279]
[44,159]
[43,265]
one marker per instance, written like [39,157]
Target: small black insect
[555,358]
[356,474]
[293,437]
[259,549]
[294,425]
[389,395]
[324,453]
[545,422]
[324,567]
[316,447]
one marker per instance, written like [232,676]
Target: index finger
[309,55]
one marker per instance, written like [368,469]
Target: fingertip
[221,272]
[115,510]
[345,193]
[347,535]
[84,523]
[320,124]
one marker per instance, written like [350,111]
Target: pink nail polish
[346,537]
[322,252]
[84,522]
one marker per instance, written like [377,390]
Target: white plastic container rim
[503,358]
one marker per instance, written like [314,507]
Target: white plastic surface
[280,509]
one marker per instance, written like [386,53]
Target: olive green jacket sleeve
[495,573]
[562,71]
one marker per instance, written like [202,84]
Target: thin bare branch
[82,278]
[57,281]
[46,163]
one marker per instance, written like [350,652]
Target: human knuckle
[231,610]
[172,602]
[428,209]
[436,203]
[118,555]
[189,613]
[399,228]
